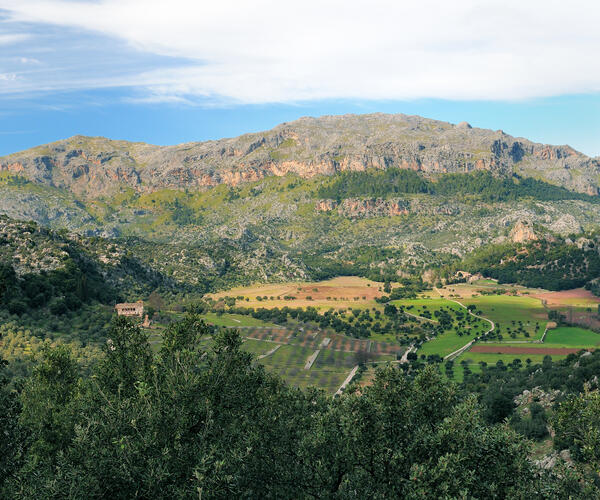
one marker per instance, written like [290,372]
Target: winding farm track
[469,344]
[405,355]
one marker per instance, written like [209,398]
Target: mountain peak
[93,166]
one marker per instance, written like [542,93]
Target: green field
[492,358]
[512,312]
[257,347]
[571,337]
[449,341]
[288,362]
[444,344]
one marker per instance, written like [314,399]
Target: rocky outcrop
[545,398]
[522,232]
[565,224]
[93,167]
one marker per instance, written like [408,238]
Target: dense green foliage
[552,265]
[498,385]
[377,263]
[482,185]
[62,290]
[187,423]
[374,183]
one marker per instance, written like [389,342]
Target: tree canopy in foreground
[190,423]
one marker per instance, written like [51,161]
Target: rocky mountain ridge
[95,167]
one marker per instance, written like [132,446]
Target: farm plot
[327,373]
[233,320]
[279,335]
[558,344]
[472,361]
[256,347]
[340,292]
[474,358]
[515,317]
[451,324]
[578,297]
[522,349]
[571,337]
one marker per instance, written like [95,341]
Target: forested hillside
[189,422]
[479,186]
[553,265]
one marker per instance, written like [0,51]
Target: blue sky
[178,71]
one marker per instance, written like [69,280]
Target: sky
[174,71]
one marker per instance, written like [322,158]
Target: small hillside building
[135,309]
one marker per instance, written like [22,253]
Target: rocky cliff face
[522,232]
[92,167]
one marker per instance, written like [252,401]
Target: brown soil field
[341,292]
[522,350]
[577,296]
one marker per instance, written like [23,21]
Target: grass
[503,310]
[328,372]
[449,341]
[257,347]
[444,344]
[288,362]
[571,337]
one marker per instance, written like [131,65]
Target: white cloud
[276,51]
[12,38]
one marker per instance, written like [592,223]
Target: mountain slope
[405,193]
[92,167]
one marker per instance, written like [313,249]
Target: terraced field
[227,319]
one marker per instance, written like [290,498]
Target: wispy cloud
[272,51]
[12,38]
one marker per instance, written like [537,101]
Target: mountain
[92,167]
[375,195]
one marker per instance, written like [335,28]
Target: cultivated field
[463,327]
[578,297]
[341,292]
[572,337]
[516,317]
[519,315]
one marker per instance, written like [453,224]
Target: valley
[509,325]
[326,262]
